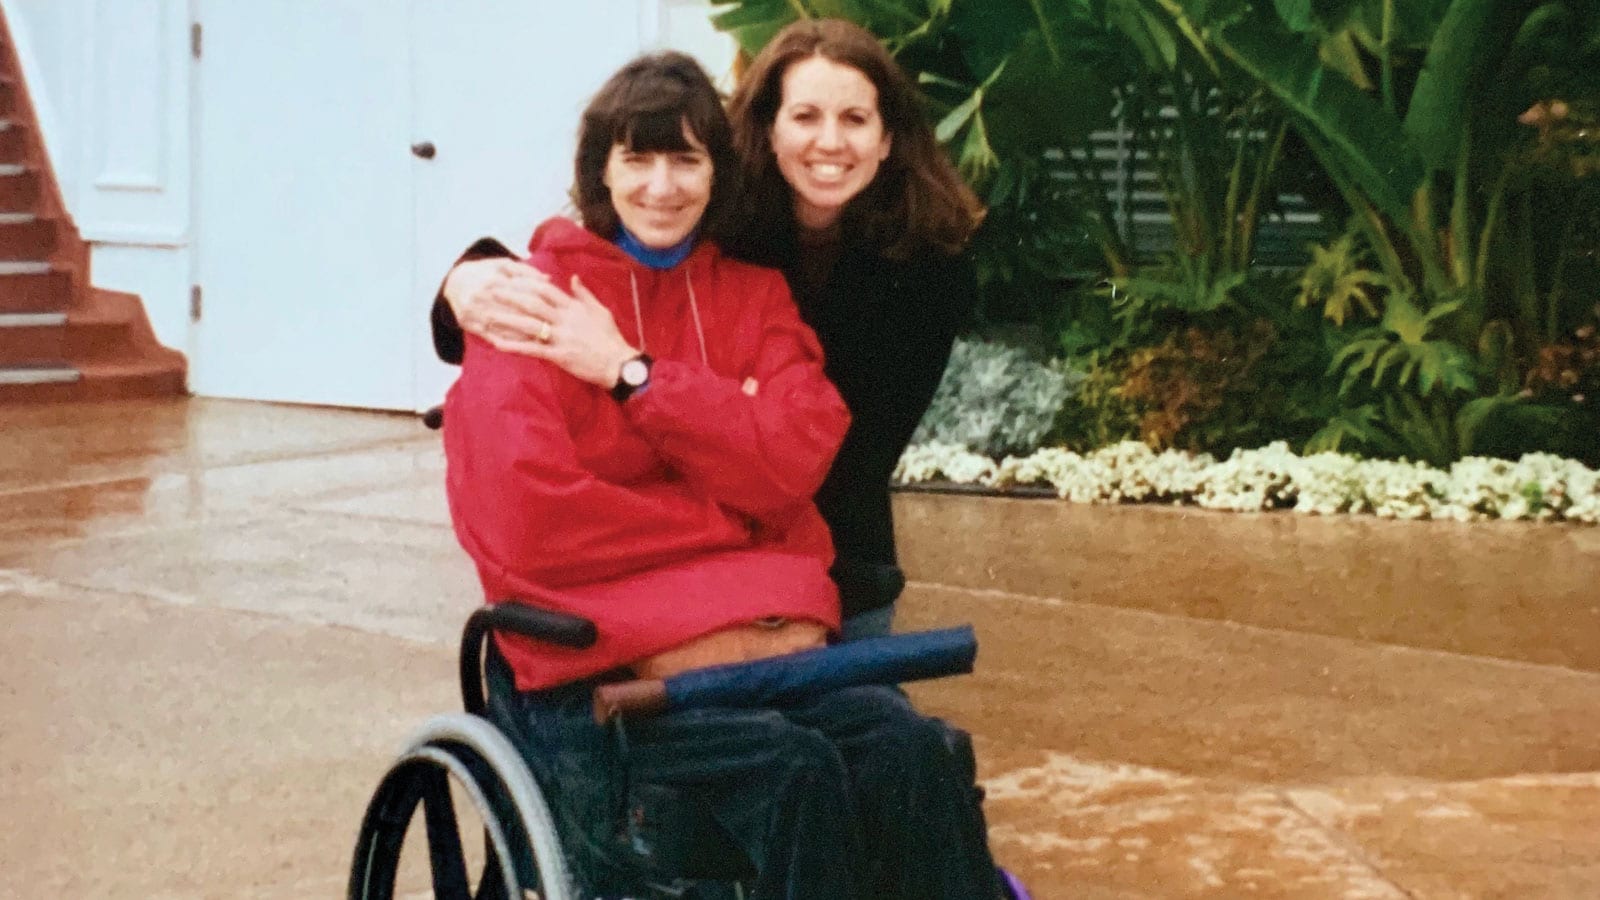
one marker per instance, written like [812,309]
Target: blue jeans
[852,795]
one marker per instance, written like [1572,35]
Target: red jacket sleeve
[523,503]
[759,453]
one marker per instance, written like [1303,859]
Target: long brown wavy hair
[917,198]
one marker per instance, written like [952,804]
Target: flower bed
[1536,487]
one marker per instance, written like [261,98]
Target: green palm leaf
[1437,112]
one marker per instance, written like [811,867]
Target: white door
[321,233]
[303,209]
[499,85]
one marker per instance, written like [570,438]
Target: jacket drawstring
[694,309]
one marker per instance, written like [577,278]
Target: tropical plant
[1474,220]
[1402,344]
[1435,175]
[1098,415]
[1336,282]
[1196,385]
[1036,243]
[1565,379]
[1184,284]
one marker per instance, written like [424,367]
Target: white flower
[1537,486]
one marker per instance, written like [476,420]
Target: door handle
[424,150]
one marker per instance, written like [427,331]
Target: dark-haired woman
[850,196]
[648,462]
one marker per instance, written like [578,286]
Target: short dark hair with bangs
[647,106]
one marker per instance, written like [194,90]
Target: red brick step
[13,142]
[26,238]
[103,381]
[19,190]
[30,339]
[30,292]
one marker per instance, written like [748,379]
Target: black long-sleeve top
[886,328]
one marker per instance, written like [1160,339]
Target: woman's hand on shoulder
[498,300]
[582,337]
[517,309]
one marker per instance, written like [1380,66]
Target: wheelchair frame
[468,748]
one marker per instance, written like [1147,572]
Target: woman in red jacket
[849,194]
[650,466]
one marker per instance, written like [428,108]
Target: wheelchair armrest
[515,618]
[532,622]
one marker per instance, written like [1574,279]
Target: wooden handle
[645,697]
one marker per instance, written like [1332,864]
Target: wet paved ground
[218,619]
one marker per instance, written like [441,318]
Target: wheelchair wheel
[517,824]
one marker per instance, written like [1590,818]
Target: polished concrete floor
[218,619]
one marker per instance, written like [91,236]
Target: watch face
[634,372]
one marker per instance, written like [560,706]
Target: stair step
[19,188]
[42,373]
[17,218]
[32,292]
[27,240]
[13,142]
[102,381]
[93,339]
[8,97]
[32,320]
[31,339]
[24,267]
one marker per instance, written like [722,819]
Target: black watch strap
[632,377]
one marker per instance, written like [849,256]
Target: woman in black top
[849,194]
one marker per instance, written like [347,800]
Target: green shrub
[1098,415]
[996,398]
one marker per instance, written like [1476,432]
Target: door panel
[499,88]
[304,204]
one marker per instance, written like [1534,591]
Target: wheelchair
[523,856]
[522,852]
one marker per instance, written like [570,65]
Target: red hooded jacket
[685,510]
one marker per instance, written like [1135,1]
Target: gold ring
[544,332]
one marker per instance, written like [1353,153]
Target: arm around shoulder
[448,340]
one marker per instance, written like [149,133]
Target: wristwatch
[635,374]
